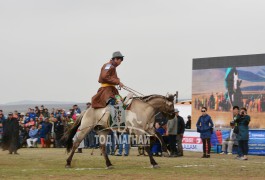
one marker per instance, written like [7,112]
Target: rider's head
[117,58]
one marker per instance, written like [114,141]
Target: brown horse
[139,120]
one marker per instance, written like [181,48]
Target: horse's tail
[67,138]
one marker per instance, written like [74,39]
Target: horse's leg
[78,140]
[163,144]
[147,149]
[103,140]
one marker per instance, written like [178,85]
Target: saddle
[117,111]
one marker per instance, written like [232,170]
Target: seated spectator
[22,118]
[33,137]
[227,144]
[46,112]
[23,136]
[32,114]
[26,120]
[30,123]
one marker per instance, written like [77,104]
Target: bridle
[139,95]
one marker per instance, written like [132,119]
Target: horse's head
[163,104]
[168,108]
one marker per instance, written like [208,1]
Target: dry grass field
[40,163]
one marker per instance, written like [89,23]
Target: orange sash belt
[106,85]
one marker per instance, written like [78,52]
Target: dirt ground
[41,163]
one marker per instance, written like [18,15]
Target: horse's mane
[150,97]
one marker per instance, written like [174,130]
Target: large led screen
[223,82]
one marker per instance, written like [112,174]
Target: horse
[140,118]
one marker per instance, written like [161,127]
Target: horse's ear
[170,97]
[176,95]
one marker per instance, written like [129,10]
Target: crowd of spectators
[42,126]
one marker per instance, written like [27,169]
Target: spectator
[243,135]
[156,148]
[91,139]
[37,111]
[110,147]
[205,127]
[41,120]
[236,118]
[32,114]
[46,133]
[33,137]
[11,134]
[227,144]
[30,123]
[42,135]
[22,118]
[82,143]
[2,119]
[41,114]
[172,130]
[23,136]
[46,113]
[69,119]
[124,142]
[52,120]
[76,109]
[26,120]
[180,132]
[88,105]
[58,131]
[188,123]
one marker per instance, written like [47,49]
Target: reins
[136,93]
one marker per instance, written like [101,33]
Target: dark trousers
[172,143]
[243,146]
[208,142]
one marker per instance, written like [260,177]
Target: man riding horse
[108,79]
[107,93]
[140,117]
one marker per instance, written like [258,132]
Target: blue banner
[256,141]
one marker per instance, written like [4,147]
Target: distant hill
[23,107]
[28,102]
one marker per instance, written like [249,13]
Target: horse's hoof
[67,166]
[110,167]
[156,166]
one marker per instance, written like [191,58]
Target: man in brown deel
[108,79]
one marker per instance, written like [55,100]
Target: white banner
[191,141]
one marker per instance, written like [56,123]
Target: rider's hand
[120,84]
